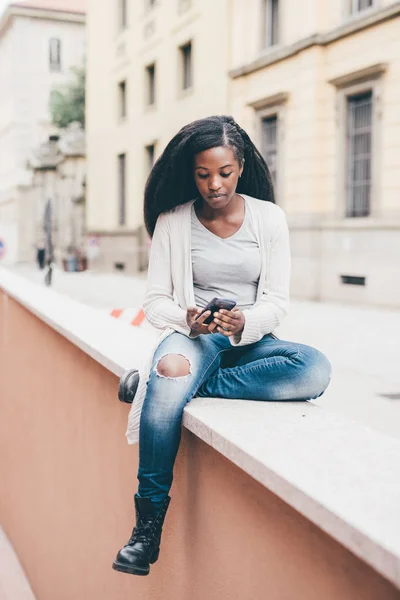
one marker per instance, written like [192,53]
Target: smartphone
[214,306]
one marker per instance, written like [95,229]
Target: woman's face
[216,174]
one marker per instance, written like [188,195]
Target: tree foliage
[68,103]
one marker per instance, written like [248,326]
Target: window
[270,121]
[151,84]
[269,143]
[186,63]
[352,280]
[150,155]
[122,99]
[359,138]
[55,54]
[357,6]
[123,14]
[270,23]
[122,188]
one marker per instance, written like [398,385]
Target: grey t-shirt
[227,268]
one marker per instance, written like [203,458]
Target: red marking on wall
[138,320]
[134,317]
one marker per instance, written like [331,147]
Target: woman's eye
[204,176]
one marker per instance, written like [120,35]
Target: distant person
[41,257]
[217,234]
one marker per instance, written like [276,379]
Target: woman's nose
[214,184]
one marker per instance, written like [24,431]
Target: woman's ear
[241,168]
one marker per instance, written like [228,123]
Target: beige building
[152,67]
[40,40]
[317,84]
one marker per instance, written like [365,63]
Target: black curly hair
[171,180]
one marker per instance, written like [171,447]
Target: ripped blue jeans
[268,370]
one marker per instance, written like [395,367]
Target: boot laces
[144,531]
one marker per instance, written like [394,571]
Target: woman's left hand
[229,322]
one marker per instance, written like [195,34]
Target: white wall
[26,82]
[33,80]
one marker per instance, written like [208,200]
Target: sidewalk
[363,344]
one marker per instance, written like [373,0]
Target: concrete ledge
[343,476]
[110,342]
[13,582]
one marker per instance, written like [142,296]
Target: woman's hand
[197,326]
[229,322]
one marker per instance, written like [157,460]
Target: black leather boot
[144,546]
[128,384]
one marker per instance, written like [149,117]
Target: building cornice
[16,10]
[371,72]
[318,39]
[267,101]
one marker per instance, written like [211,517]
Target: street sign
[2,249]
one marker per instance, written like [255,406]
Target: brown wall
[67,478]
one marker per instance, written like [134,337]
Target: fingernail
[216,314]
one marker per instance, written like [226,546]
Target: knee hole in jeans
[173,366]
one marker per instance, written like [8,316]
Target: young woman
[216,232]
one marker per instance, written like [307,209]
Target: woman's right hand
[197,326]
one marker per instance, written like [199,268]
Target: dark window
[391,396]
[270,20]
[357,6]
[123,14]
[151,84]
[269,143]
[359,139]
[122,188]
[150,154]
[187,68]
[353,280]
[122,99]
[55,54]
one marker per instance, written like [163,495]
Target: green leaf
[67,104]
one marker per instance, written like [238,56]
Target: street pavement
[363,344]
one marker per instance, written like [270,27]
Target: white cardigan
[170,292]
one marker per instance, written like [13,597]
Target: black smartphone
[214,306]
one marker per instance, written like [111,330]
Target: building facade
[152,67]
[317,85]
[40,41]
